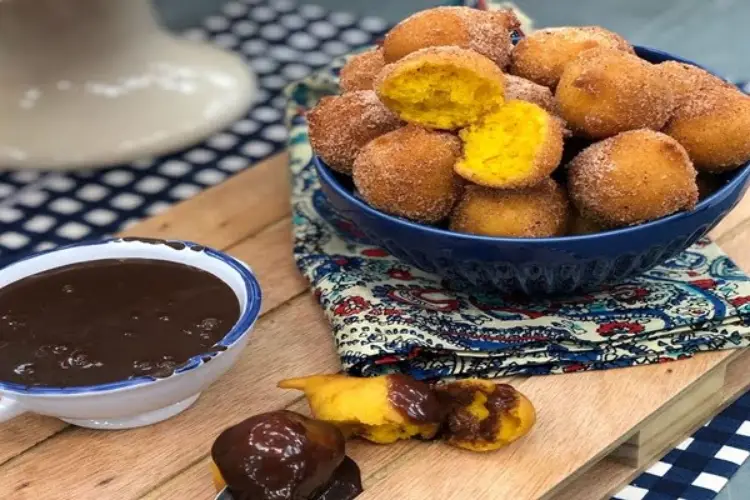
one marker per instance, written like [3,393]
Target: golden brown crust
[485,32]
[632,178]
[714,127]
[409,173]
[604,92]
[540,211]
[550,154]
[360,70]
[339,126]
[542,56]
[688,81]
[526,90]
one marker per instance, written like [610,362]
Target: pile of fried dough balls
[448,121]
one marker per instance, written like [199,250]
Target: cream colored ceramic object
[91,83]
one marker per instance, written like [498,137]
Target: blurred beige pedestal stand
[90,83]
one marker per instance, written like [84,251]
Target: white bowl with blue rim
[137,401]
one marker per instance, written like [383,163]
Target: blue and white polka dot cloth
[283,42]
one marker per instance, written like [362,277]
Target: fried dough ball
[542,56]
[686,80]
[346,483]
[381,409]
[484,416]
[360,70]
[604,92]
[517,88]
[536,212]
[631,178]
[441,87]
[409,173]
[704,102]
[516,146]
[714,127]
[279,451]
[339,126]
[483,31]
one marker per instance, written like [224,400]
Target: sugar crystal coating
[339,126]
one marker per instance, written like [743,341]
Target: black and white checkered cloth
[283,42]
[700,466]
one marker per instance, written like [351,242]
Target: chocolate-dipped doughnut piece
[282,455]
[345,484]
[380,409]
[484,416]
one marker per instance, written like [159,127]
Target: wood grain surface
[605,477]
[582,417]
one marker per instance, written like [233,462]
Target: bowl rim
[239,330]
[742,173]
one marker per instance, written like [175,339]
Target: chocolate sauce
[110,320]
[283,455]
[464,426]
[176,245]
[414,399]
[346,483]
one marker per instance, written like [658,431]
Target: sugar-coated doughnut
[360,70]
[713,125]
[409,173]
[339,126]
[539,211]
[633,177]
[604,92]
[687,80]
[542,56]
[486,32]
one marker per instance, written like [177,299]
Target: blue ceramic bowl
[536,265]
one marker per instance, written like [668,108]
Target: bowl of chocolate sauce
[120,333]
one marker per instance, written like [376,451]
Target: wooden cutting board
[596,430]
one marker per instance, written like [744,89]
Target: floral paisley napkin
[388,316]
